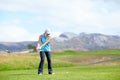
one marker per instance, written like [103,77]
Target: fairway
[65,73]
[67,65]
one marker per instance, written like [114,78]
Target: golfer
[43,47]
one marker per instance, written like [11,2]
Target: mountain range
[70,41]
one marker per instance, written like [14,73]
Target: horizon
[57,36]
[25,20]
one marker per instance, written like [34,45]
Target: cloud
[13,21]
[15,33]
[77,16]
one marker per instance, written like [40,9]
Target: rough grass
[59,59]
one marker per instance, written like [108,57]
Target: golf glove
[39,47]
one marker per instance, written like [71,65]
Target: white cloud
[100,16]
[11,22]
[16,33]
[55,34]
[104,11]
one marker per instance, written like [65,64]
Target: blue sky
[25,20]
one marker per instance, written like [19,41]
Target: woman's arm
[49,40]
[39,41]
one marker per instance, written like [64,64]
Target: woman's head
[47,32]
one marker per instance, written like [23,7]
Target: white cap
[48,31]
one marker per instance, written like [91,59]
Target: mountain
[65,36]
[69,41]
[15,46]
[99,41]
[85,42]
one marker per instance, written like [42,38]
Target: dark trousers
[41,64]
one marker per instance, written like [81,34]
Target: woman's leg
[41,64]
[48,55]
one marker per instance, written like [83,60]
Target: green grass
[67,65]
[66,73]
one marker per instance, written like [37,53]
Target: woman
[44,48]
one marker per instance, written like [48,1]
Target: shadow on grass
[19,74]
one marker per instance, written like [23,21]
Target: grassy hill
[67,65]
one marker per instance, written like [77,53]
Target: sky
[25,20]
